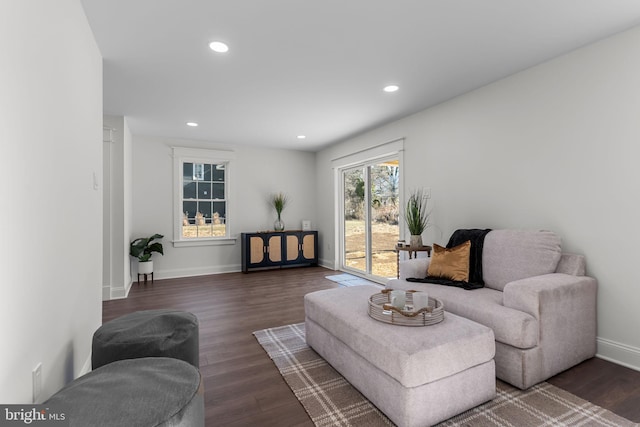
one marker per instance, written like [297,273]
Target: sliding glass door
[354,220]
[370,230]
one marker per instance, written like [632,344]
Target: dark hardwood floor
[242,385]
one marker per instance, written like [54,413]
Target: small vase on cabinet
[278,225]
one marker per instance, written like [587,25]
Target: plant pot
[145,267]
[415,241]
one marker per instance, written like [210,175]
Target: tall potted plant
[416,216]
[279,201]
[142,248]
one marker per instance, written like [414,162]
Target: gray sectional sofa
[537,300]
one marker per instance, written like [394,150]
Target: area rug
[346,280]
[330,400]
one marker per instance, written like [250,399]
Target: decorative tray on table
[380,308]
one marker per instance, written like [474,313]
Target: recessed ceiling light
[219,47]
[391,88]
[302,136]
[192,124]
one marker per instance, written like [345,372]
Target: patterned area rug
[331,401]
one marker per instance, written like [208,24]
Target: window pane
[218,190]
[218,172]
[220,209]
[187,171]
[218,219]
[204,190]
[207,172]
[355,239]
[198,172]
[384,214]
[189,190]
[205,209]
[190,209]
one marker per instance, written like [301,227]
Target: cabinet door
[275,248]
[309,247]
[256,250]
[293,247]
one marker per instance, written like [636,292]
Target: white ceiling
[317,67]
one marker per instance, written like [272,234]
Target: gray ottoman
[137,393]
[417,376]
[151,333]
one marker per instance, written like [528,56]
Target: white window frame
[200,155]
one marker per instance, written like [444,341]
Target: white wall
[51,216]
[117,208]
[255,174]
[554,147]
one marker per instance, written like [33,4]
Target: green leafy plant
[142,248]
[279,202]
[416,213]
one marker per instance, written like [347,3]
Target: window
[201,197]
[204,205]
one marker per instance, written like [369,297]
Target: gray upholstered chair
[155,391]
[150,333]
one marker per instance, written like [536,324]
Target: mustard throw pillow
[452,263]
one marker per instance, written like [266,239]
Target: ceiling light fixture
[302,136]
[192,124]
[219,47]
[391,88]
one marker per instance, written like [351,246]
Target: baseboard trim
[619,353]
[326,264]
[120,292]
[109,293]
[86,368]
[128,288]
[200,271]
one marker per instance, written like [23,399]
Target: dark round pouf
[153,391]
[151,333]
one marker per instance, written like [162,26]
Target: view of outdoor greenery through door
[371,209]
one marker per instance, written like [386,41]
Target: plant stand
[145,277]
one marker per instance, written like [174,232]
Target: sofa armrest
[551,294]
[416,267]
[565,307]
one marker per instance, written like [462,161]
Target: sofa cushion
[517,254]
[572,264]
[450,263]
[416,267]
[513,327]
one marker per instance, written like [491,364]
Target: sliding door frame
[393,150]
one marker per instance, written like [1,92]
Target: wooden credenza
[279,249]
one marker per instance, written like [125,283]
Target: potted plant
[142,249]
[279,201]
[416,216]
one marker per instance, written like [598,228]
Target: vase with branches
[279,202]
[416,216]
